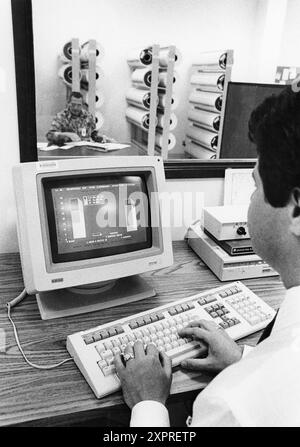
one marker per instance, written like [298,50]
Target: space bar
[185,349]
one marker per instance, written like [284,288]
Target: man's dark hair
[274,127]
[77,95]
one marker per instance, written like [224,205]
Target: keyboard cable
[9,306]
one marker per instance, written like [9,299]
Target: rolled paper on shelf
[164,56]
[213,58]
[198,151]
[162,78]
[85,77]
[65,73]
[142,77]
[99,99]
[162,102]
[139,97]
[140,58]
[214,80]
[161,121]
[207,100]
[99,120]
[206,119]
[171,141]
[138,116]
[66,54]
[84,53]
[204,137]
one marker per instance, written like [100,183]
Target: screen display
[241,99]
[95,216]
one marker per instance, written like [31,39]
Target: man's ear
[295,211]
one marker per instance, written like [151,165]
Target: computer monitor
[241,99]
[87,228]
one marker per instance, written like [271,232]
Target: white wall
[289,51]
[120,25]
[9,143]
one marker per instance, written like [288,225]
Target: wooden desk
[61,396]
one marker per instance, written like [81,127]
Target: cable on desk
[9,306]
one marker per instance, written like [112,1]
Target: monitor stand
[92,297]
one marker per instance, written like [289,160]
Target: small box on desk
[224,266]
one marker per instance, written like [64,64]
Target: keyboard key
[88,339]
[109,370]
[191,305]
[185,307]
[104,334]
[202,301]
[172,311]
[116,350]
[133,325]
[100,348]
[108,345]
[210,299]
[179,308]
[102,364]
[112,331]
[213,314]
[106,354]
[97,336]
[147,319]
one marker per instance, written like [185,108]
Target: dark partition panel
[242,98]
[24,62]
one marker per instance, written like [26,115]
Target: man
[74,124]
[261,387]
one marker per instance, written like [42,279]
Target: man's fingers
[197,364]
[152,350]
[138,349]
[203,324]
[195,332]
[120,367]
[166,362]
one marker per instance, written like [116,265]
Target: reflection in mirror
[113,77]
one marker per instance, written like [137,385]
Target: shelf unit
[207,102]
[77,66]
[146,138]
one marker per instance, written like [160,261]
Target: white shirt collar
[289,312]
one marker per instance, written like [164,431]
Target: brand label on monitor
[57,280]
[46,165]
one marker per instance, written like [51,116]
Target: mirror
[262,35]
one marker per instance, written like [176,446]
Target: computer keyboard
[232,306]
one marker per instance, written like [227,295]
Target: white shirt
[262,389]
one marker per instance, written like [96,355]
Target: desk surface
[86,151]
[28,394]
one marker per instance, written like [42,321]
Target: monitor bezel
[157,247]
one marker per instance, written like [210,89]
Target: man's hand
[222,350]
[72,136]
[147,376]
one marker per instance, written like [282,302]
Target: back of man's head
[274,127]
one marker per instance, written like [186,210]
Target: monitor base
[65,302]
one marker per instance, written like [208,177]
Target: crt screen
[97,216]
